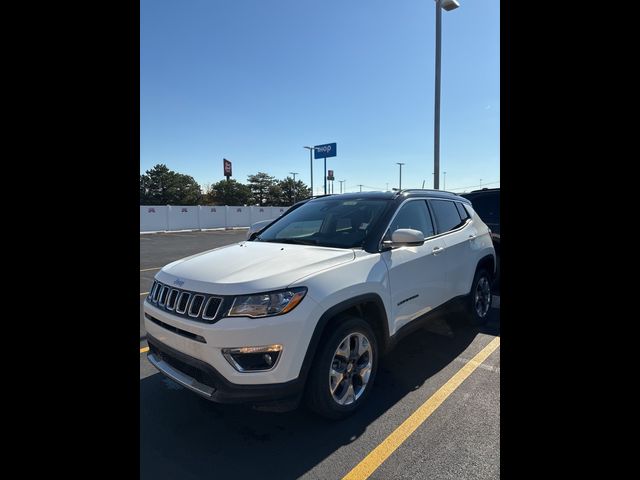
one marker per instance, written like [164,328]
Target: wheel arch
[369,307]
[488,262]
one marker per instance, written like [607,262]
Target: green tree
[161,186]
[229,192]
[261,188]
[274,195]
[292,192]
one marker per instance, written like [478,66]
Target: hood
[250,267]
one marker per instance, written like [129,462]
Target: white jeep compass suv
[306,306]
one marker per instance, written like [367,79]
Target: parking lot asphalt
[184,436]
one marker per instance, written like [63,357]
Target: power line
[473,186]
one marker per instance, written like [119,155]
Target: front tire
[344,369]
[479,303]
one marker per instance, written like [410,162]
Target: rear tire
[479,303]
[344,368]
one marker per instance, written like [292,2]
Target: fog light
[252,359]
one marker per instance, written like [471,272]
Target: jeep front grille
[191,305]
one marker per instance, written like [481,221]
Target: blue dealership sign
[324,151]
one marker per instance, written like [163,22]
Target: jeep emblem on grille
[178,282]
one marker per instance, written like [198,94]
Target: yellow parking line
[372,461]
[148,269]
[144,349]
[143,293]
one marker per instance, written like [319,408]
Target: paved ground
[183,436]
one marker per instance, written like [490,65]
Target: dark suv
[486,203]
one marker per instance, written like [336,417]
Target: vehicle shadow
[183,436]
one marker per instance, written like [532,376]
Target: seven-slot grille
[192,305]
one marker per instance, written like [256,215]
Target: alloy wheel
[482,300]
[350,368]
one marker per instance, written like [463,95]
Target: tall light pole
[400,163]
[294,185]
[445,180]
[311,165]
[448,5]
[341,182]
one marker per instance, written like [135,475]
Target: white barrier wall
[213,217]
[160,218]
[261,213]
[277,211]
[183,217]
[238,216]
[153,218]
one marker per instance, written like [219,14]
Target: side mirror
[405,237]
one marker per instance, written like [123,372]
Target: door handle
[437,250]
[473,235]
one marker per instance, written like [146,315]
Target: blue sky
[253,81]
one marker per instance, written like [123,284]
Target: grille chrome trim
[152,290]
[168,298]
[193,300]
[172,305]
[156,291]
[206,306]
[186,303]
[164,293]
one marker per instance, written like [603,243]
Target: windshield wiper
[294,241]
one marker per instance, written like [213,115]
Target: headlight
[267,304]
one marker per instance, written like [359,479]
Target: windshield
[330,222]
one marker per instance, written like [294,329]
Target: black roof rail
[428,190]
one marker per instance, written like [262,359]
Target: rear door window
[446,213]
[461,210]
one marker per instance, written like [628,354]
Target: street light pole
[400,163]
[448,5]
[436,120]
[341,182]
[325,175]
[445,180]
[311,165]
[294,185]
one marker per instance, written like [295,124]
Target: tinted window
[300,229]
[414,215]
[328,222]
[461,210]
[447,216]
[344,224]
[487,206]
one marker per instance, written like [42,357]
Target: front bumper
[206,342]
[207,382]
